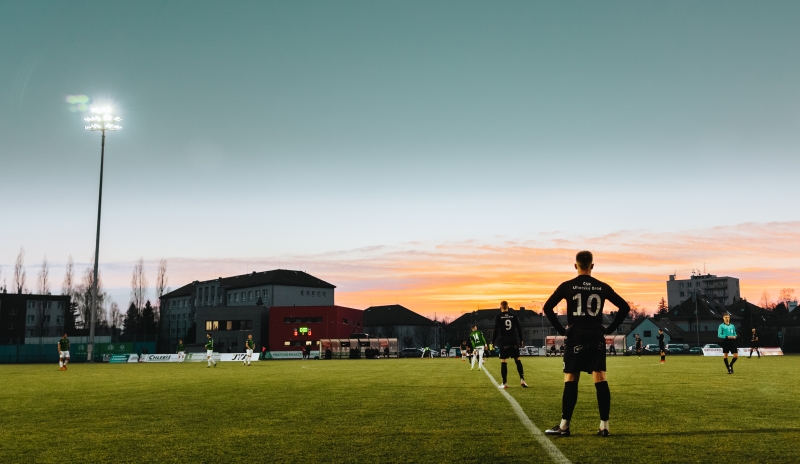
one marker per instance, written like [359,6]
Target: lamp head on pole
[102,119]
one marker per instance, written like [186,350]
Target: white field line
[555,454]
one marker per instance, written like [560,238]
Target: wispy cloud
[450,278]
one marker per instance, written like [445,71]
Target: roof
[669,327]
[376,316]
[706,309]
[284,277]
[486,317]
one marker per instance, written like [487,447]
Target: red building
[293,327]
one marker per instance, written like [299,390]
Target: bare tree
[765,301]
[67,287]
[83,297]
[786,295]
[161,286]
[115,315]
[138,286]
[637,311]
[19,272]
[424,335]
[43,280]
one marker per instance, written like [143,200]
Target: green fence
[48,353]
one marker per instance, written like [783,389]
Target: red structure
[293,327]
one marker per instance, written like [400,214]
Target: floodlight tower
[102,120]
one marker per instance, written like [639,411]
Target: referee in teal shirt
[727,334]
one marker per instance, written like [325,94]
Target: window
[681,293]
[647,333]
[31,304]
[681,284]
[230,297]
[59,319]
[258,293]
[302,293]
[287,343]
[697,284]
[60,305]
[288,320]
[265,292]
[250,295]
[31,318]
[212,325]
[47,319]
[344,321]
[620,329]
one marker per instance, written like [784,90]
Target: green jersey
[250,344]
[63,344]
[180,347]
[726,330]
[210,344]
[476,338]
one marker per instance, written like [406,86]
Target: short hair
[584,259]
[475,326]
[208,334]
[504,303]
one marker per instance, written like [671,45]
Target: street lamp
[102,120]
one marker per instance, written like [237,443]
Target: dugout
[357,348]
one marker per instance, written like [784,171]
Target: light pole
[101,120]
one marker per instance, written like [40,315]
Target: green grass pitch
[408,410]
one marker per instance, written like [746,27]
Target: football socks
[519,368]
[569,399]
[603,400]
[504,371]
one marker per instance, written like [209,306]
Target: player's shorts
[754,345]
[209,352]
[181,353]
[662,349]
[63,354]
[729,346]
[509,352]
[249,352]
[585,357]
[478,350]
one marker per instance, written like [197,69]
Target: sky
[442,155]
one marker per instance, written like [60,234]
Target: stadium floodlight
[102,120]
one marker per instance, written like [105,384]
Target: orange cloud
[447,279]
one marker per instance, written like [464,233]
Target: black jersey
[638,343]
[660,338]
[585,297]
[754,338]
[507,331]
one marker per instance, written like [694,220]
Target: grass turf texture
[408,410]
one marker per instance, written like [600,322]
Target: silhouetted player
[585,338]
[754,343]
[638,345]
[661,346]
[508,335]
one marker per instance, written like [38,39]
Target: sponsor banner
[159,358]
[288,354]
[237,357]
[118,358]
[766,351]
[712,351]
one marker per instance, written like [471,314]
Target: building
[647,328]
[27,316]
[293,327]
[183,318]
[396,321]
[699,320]
[722,290]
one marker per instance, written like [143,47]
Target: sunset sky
[443,155]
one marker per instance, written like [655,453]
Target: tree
[138,286]
[130,325]
[408,341]
[637,311]
[19,272]
[765,302]
[83,298]
[161,286]
[67,287]
[786,295]
[115,316]
[424,335]
[43,280]
[147,323]
[662,306]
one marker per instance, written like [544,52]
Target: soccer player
[727,332]
[585,338]
[661,346]
[478,344]
[754,344]
[250,344]
[210,350]
[638,345]
[63,353]
[509,333]
[463,351]
[181,350]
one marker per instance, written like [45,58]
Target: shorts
[209,352]
[663,349]
[729,346]
[509,352]
[585,357]
[249,352]
[181,352]
[63,354]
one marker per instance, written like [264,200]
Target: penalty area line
[552,450]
